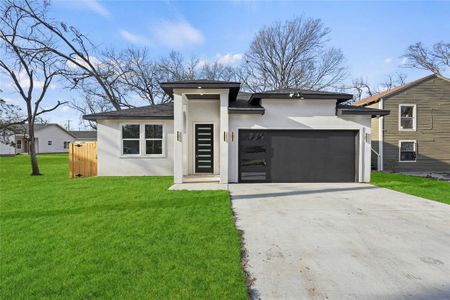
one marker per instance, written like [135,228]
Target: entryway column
[224,137]
[178,124]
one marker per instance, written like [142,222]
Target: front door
[204,148]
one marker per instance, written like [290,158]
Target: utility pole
[68,125]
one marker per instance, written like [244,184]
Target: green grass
[113,237]
[423,187]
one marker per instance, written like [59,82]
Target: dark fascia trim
[254,111]
[373,113]
[340,97]
[234,87]
[104,117]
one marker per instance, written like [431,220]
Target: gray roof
[23,128]
[84,134]
[243,106]
[159,111]
[345,109]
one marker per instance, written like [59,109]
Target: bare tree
[292,54]
[143,76]
[74,48]
[393,80]
[361,87]
[90,105]
[217,71]
[436,59]
[30,67]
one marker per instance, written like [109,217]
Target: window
[19,144]
[130,139]
[66,145]
[49,143]
[407,115]
[153,139]
[408,151]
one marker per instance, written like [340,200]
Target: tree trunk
[33,157]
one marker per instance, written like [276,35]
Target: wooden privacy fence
[82,159]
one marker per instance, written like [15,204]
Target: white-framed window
[131,134]
[66,145]
[407,116]
[153,134]
[19,144]
[49,143]
[407,151]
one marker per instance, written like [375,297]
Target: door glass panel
[253,156]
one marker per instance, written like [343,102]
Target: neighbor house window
[407,117]
[154,139]
[130,139]
[19,144]
[49,143]
[408,151]
[66,145]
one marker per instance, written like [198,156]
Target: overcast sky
[372,35]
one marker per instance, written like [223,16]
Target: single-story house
[49,138]
[415,137]
[213,129]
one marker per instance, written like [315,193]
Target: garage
[297,156]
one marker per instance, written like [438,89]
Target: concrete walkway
[343,241]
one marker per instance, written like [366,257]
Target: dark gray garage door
[297,156]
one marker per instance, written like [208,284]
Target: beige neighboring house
[49,138]
[415,137]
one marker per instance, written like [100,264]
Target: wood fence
[82,159]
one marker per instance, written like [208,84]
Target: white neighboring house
[211,129]
[49,138]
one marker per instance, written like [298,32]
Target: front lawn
[423,187]
[113,237]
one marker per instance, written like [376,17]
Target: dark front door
[204,148]
[297,156]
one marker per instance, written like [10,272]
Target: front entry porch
[200,183]
[201,137]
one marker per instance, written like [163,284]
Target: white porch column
[224,137]
[178,124]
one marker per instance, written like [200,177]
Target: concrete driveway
[343,241]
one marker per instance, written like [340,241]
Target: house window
[66,145]
[19,144]
[408,151]
[407,117]
[154,139]
[130,139]
[49,143]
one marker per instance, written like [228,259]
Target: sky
[373,35]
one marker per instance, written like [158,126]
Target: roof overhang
[106,117]
[355,110]
[340,97]
[253,111]
[233,87]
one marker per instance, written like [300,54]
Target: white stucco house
[213,129]
[49,138]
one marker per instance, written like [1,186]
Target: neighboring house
[84,135]
[49,138]
[210,128]
[415,137]
[7,143]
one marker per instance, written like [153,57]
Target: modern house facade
[415,137]
[213,129]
